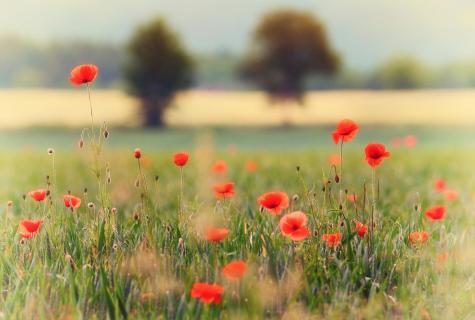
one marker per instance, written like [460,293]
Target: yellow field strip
[23,108]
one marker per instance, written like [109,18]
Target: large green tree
[287,47]
[157,67]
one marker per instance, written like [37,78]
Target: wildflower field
[355,229]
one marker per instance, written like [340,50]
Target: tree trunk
[152,108]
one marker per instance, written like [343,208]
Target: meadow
[135,247]
[236,223]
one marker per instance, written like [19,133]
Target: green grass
[247,139]
[93,264]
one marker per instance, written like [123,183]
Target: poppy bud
[341,207]
[156,178]
[337,179]
[181,245]
[346,191]
[138,153]
[298,168]
[24,196]
[323,189]
[50,151]
[85,190]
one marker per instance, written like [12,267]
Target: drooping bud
[138,153]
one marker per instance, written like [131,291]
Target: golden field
[48,107]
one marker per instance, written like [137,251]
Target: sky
[364,32]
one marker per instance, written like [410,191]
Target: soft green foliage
[92,263]
[287,47]
[401,73]
[157,66]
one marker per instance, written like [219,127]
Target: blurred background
[254,74]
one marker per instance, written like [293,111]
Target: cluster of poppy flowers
[293,225]
[29,228]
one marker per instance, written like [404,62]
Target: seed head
[50,151]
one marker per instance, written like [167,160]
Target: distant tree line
[26,64]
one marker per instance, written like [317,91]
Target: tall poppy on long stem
[85,74]
[138,156]
[180,159]
[345,131]
[375,154]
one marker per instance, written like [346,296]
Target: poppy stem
[341,166]
[373,208]
[142,176]
[181,191]
[92,113]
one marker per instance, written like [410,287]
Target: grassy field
[45,107]
[142,260]
[137,244]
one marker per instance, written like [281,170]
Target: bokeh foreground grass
[141,261]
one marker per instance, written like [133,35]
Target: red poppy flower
[219,166]
[207,293]
[345,131]
[28,228]
[138,153]
[352,197]
[334,160]
[72,201]
[332,239]
[439,185]
[451,195]
[436,213]
[375,153]
[181,158]
[251,166]
[224,190]
[274,201]
[410,141]
[418,237]
[361,229]
[216,234]
[294,226]
[84,73]
[235,270]
[38,195]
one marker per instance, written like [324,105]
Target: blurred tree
[287,47]
[401,73]
[157,67]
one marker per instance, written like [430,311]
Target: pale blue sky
[366,32]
